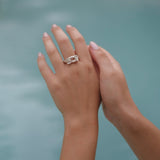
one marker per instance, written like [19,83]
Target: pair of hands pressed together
[77,90]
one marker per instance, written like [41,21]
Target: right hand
[115,94]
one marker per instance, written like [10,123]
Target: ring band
[71,59]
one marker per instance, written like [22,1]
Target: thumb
[99,55]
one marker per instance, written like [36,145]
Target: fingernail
[45,34]
[40,54]
[69,26]
[94,45]
[54,25]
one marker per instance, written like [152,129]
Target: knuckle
[63,40]
[79,39]
[56,86]
[88,67]
[51,50]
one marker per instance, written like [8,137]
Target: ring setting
[71,59]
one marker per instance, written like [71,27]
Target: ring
[71,59]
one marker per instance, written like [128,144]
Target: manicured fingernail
[94,45]
[45,34]
[54,25]
[40,54]
[68,26]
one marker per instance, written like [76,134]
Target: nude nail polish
[45,34]
[54,25]
[69,26]
[40,54]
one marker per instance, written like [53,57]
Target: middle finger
[79,43]
[63,41]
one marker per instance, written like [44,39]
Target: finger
[45,70]
[79,43]
[99,56]
[52,52]
[111,58]
[63,41]
[96,67]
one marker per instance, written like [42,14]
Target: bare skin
[75,90]
[120,109]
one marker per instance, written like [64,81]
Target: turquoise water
[31,128]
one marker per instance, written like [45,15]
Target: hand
[120,109]
[75,91]
[75,87]
[113,86]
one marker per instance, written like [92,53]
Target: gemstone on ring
[71,59]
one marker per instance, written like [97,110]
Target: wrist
[80,138]
[82,125]
[129,117]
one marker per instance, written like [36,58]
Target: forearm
[80,140]
[142,136]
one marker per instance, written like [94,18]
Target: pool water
[31,127]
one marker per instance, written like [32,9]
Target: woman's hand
[113,86]
[120,109]
[75,90]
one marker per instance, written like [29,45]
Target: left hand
[74,87]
